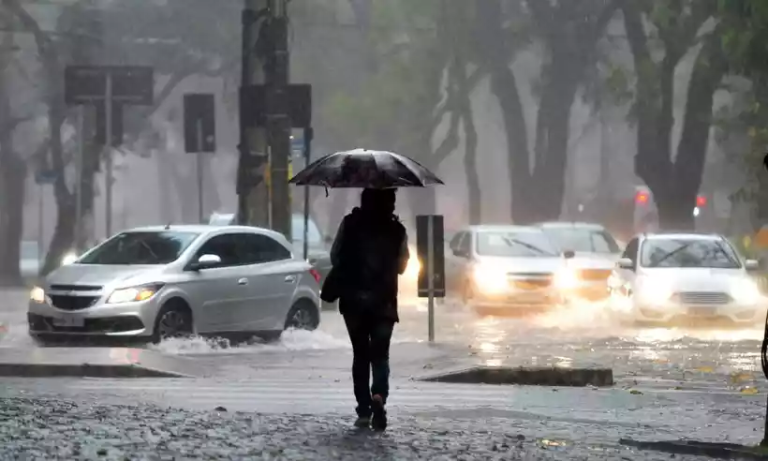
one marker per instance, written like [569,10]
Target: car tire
[303,316]
[173,321]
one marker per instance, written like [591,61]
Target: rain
[582,186]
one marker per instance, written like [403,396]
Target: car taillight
[315,274]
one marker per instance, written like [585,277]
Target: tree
[568,32]
[13,169]
[680,27]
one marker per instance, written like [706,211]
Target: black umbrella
[365,169]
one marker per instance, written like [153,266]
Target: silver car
[158,282]
[495,268]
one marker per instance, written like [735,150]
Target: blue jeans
[370,337]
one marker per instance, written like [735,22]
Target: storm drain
[565,377]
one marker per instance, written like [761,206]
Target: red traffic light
[701,201]
[641,198]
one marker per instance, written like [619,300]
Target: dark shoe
[379,421]
[363,422]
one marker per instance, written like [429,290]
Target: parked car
[497,268]
[672,278]
[158,282]
[595,255]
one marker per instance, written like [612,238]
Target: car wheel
[173,321]
[302,316]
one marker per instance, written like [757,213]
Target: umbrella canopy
[364,168]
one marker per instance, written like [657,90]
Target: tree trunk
[13,174]
[64,230]
[474,193]
[504,87]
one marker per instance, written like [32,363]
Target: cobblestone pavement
[62,430]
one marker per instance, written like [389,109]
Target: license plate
[702,311]
[69,322]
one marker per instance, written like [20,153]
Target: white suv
[668,278]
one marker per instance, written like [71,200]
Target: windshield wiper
[671,253]
[154,255]
[511,242]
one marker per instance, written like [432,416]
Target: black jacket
[370,254]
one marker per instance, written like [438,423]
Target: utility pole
[253,197]
[278,119]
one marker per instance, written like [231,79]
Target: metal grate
[72,303]
[703,297]
[74,288]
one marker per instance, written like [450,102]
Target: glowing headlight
[490,279]
[37,295]
[68,259]
[413,268]
[656,291]
[745,291]
[566,279]
[134,294]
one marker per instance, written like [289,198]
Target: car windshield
[688,253]
[583,240]
[514,244]
[314,237]
[140,248]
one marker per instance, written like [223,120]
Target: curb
[565,377]
[84,370]
[692,447]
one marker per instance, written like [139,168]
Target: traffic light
[641,197]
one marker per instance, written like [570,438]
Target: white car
[689,278]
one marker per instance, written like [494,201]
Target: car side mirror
[752,265]
[626,263]
[569,254]
[205,262]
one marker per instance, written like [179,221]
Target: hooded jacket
[371,252]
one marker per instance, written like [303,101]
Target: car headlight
[133,294]
[656,291]
[490,279]
[68,259]
[413,269]
[37,295]
[745,291]
[566,279]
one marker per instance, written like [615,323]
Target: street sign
[199,123]
[116,121]
[256,102]
[430,249]
[130,84]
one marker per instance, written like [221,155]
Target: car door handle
[290,278]
[242,282]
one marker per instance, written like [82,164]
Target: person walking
[370,252]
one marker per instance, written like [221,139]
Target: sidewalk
[56,429]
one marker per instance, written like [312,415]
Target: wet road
[584,336]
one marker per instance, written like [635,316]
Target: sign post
[109,87]
[199,136]
[431,250]
[306,152]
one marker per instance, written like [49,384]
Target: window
[257,248]
[314,237]
[456,240]
[140,248]
[514,244]
[225,247]
[465,244]
[689,252]
[583,240]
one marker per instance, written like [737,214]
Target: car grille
[594,274]
[706,298]
[74,288]
[530,280]
[72,303]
